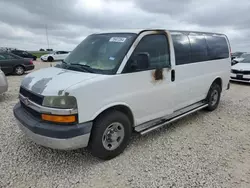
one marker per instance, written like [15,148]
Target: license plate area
[239,76]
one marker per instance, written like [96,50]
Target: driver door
[152,88]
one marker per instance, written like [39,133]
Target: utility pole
[47,35]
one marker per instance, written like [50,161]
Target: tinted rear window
[217,47]
[182,49]
[199,50]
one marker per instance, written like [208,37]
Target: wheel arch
[218,80]
[122,107]
[50,57]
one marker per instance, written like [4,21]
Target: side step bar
[155,124]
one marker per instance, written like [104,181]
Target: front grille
[31,111]
[38,99]
[240,72]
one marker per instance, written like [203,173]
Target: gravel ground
[201,150]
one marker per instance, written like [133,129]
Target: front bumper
[63,137]
[245,78]
[44,58]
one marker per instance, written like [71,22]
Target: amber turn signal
[59,119]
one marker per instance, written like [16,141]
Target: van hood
[242,66]
[54,81]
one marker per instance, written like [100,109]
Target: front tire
[213,97]
[110,135]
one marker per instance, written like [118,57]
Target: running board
[155,124]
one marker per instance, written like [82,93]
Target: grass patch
[38,54]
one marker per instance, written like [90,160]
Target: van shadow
[166,130]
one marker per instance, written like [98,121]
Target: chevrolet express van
[113,84]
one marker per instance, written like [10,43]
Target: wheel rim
[113,136]
[19,70]
[214,97]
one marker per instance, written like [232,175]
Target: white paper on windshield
[117,39]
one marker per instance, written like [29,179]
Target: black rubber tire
[50,59]
[212,107]
[34,58]
[100,124]
[20,67]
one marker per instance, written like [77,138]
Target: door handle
[172,75]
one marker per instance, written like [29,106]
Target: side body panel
[194,80]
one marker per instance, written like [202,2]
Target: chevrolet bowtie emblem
[26,101]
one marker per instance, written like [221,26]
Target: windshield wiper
[85,68]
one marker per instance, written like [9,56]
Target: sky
[68,22]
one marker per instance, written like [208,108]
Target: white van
[112,84]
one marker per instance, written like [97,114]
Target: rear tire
[50,59]
[110,135]
[19,70]
[213,97]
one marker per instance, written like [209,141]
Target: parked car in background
[11,63]
[56,56]
[241,71]
[24,54]
[236,54]
[3,82]
[239,58]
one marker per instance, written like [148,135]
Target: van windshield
[100,53]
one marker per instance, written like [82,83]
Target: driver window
[157,48]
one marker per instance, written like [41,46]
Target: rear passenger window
[217,47]
[182,49]
[198,48]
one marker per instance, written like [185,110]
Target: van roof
[138,31]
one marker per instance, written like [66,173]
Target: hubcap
[214,97]
[19,70]
[113,136]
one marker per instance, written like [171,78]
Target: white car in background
[55,56]
[241,71]
[240,58]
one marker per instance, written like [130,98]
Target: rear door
[64,55]
[58,55]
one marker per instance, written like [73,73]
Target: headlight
[64,102]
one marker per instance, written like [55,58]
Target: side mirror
[140,61]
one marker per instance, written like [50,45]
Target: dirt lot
[201,150]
